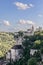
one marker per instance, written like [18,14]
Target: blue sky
[20,14]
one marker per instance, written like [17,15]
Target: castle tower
[32,29]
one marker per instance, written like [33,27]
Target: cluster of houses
[16,51]
[28,32]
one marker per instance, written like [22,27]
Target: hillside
[6,42]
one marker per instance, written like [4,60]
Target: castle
[16,51]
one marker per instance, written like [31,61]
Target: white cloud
[26,22]
[22,22]
[31,5]
[40,15]
[23,6]
[7,23]
[30,22]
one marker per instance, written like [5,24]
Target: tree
[36,44]
[41,50]
[32,61]
[26,51]
[37,55]
[20,33]
[27,42]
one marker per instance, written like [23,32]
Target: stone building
[15,53]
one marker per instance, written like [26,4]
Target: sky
[18,15]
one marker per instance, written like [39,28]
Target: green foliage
[37,55]
[20,33]
[29,42]
[6,42]
[41,50]
[32,61]
[37,42]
